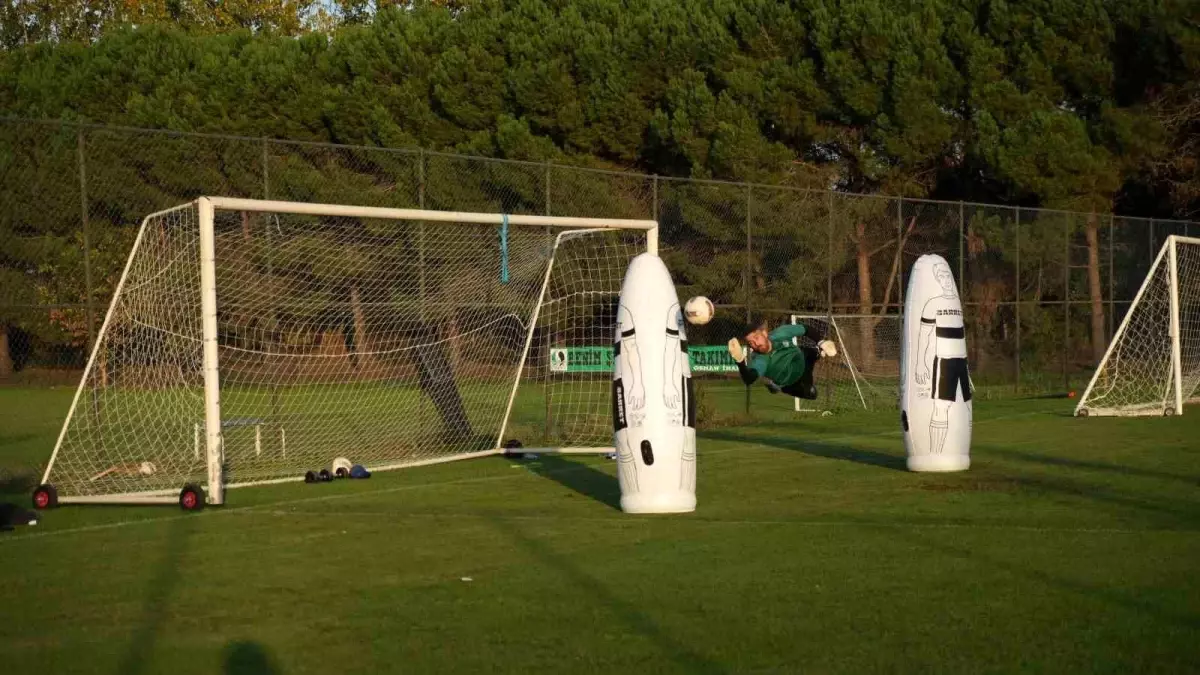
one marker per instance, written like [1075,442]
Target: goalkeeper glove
[737,351]
[828,349]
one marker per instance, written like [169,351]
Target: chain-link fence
[1043,289]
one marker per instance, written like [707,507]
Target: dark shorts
[804,387]
[951,376]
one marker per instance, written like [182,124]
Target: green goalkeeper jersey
[785,363]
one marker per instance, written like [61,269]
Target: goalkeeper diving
[775,358]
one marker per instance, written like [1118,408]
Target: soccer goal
[1152,365]
[249,342]
[865,373]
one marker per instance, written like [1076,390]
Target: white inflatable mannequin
[935,380]
[653,406]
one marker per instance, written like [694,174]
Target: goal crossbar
[428,215]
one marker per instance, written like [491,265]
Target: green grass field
[1070,545]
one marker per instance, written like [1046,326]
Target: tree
[24,22]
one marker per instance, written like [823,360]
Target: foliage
[1076,105]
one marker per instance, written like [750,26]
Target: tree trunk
[1099,341]
[866,326]
[359,355]
[455,347]
[6,363]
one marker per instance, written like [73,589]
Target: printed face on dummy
[945,279]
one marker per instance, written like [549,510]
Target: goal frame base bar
[1149,410]
[136,498]
[1144,411]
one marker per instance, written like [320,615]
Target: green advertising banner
[704,359]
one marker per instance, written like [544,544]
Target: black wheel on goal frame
[1168,412]
[45,497]
[1083,412]
[512,448]
[191,497]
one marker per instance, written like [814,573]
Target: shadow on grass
[1109,595]
[627,612]
[245,657]
[582,478]
[19,482]
[1064,462]
[816,448]
[156,607]
[1178,512]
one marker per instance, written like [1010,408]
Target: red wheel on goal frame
[45,497]
[191,498]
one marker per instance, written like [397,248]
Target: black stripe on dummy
[929,321]
[618,405]
[951,333]
[673,332]
[689,391]
[628,333]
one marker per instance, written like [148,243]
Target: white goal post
[865,373]
[1152,364]
[250,341]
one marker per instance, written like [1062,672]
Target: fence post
[972,334]
[266,173]
[421,231]
[1066,346]
[87,239]
[962,238]
[654,214]
[547,390]
[899,258]
[1112,294]
[829,261]
[749,271]
[266,176]
[1017,235]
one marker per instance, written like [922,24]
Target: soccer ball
[699,310]
[146,468]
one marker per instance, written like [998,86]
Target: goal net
[864,374]
[250,342]
[1152,366]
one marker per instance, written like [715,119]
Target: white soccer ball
[699,310]
[146,468]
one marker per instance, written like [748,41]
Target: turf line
[623,520]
